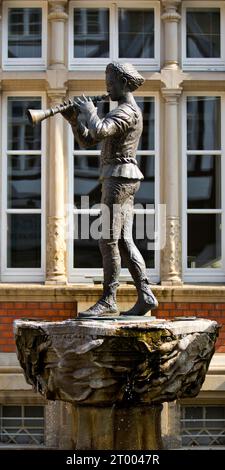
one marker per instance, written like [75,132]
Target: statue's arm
[80,131]
[113,123]
[82,135]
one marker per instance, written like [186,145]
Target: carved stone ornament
[56,247]
[171,254]
[116,371]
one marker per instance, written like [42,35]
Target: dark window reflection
[21,135]
[86,179]
[87,230]
[136,33]
[24,181]
[24,33]
[146,193]
[204,181]
[203,33]
[103,109]
[203,123]
[147,106]
[91,32]
[204,240]
[24,241]
[86,250]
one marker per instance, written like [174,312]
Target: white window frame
[202,274]
[38,63]
[203,64]
[90,275]
[98,64]
[22,274]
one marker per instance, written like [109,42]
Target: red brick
[7,334]
[195,306]
[7,305]
[20,304]
[58,305]
[182,306]
[6,320]
[208,306]
[220,306]
[69,305]
[45,305]
[168,305]
[3,312]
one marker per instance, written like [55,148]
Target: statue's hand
[71,113]
[85,105]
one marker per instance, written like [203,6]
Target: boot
[106,305]
[146,301]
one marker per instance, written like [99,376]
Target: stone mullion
[57,17]
[171,253]
[56,243]
[171,19]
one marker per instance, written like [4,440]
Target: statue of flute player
[119,132]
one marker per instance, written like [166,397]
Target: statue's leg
[108,244]
[134,260]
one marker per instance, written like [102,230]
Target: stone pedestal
[116,373]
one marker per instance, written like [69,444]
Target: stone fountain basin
[113,361]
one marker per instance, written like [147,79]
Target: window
[21,425]
[203,426]
[24,35]
[103,31]
[85,195]
[22,192]
[202,26]
[203,176]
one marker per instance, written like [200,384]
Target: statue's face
[115,86]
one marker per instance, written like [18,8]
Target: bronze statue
[119,132]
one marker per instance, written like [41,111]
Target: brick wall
[53,311]
[9,311]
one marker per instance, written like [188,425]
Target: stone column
[171,253]
[171,19]
[56,245]
[57,17]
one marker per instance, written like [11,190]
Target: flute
[37,115]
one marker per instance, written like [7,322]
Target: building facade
[50,266]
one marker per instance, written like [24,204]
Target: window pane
[203,426]
[24,33]
[21,135]
[24,181]
[24,241]
[103,109]
[203,33]
[91,32]
[203,123]
[22,431]
[204,181]
[146,193]
[86,250]
[136,33]
[86,179]
[204,241]
[147,106]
